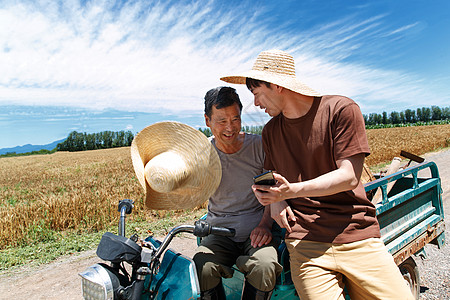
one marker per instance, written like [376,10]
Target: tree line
[39,152]
[409,116]
[77,141]
[419,117]
[249,129]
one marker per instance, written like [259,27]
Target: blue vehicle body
[176,277]
[411,215]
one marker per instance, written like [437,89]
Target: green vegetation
[56,244]
[77,141]
[40,152]
[389,125]
[422,116]
[249,129]
[206,131]
[49,250]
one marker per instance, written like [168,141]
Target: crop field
[74,191]
[387,143]
[42,196]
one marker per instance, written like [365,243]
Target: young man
[317,145]
[234,205]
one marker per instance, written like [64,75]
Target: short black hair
[221,97]
[254,83]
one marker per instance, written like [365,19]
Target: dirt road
[60,280]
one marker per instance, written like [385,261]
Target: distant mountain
[29,148]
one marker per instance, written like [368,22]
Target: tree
[402,117]
[426,114]
[436,113]
[394,118]
[385,118]
[128,138]
[446,113]
[419,114]
[409,116]
[206,131]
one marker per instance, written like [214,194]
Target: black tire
[410,273]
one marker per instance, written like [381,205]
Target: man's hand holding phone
[268,189]
[271,187]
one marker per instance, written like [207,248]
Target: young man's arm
[346,177]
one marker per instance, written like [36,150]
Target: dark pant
[216,255]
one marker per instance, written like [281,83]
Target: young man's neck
[296,105]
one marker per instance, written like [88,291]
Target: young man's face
[225,124]
[267,98]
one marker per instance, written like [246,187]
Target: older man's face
[225,124]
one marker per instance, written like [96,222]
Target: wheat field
[387,143]
[79,191]
[64,190]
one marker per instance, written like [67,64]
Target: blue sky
[92,66]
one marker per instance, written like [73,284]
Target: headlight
[97,283]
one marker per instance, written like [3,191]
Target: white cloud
[164,57]
[402,29]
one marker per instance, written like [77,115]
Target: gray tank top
[234,205]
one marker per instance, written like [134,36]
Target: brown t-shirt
[305,148]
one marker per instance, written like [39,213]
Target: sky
[91,66]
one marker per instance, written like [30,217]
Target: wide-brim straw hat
[277,67]
[176,165]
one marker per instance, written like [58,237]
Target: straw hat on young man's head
[277,67]
[176,165]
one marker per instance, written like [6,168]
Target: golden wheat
[387,143]
[65,190]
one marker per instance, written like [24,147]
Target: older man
[235,206]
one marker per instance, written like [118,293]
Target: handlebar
[201,228]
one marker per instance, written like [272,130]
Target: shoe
[249,292]
[216,293]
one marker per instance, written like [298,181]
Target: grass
[48,250]
[69,242]
[61,203]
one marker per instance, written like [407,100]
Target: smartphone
[265,178]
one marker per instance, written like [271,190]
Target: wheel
[410,273]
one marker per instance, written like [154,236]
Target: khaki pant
[365,268]
[216,255]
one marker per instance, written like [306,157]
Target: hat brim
[194,147]
[286,81]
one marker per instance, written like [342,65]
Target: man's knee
[266,268]
[205,265]
[209,272]
[260,273]
[264,275]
